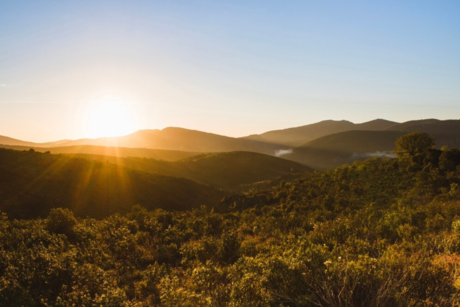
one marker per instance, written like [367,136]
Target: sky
[229,67]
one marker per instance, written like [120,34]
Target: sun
[110,117]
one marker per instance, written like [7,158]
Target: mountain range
[300,135]
[321,145]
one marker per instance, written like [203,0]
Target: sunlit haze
[109,117]
[227,67]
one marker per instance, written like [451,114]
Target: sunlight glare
[110,117]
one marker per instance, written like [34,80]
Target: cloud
[381,154]
[282,152]
[2,84]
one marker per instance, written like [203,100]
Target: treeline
[382,232]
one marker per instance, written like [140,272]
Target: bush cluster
[376,233]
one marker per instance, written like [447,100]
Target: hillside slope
[4,140]
[181,139]
[231,171]
[357,141]
[300,135]
[159,154]
[446,132]
[32,183]
[346,147]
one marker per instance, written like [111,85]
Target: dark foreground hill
[159,154]
[381,232]
[31,183]
[231,171]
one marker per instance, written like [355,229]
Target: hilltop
[180,139]
[4,140]
[322,145]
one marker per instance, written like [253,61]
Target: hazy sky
[228,67]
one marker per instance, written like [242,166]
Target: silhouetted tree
[414,146]
[450,159]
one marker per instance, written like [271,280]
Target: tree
[450,159]
[61,221]
[414,145]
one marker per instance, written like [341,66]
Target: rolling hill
[445,132]
[181,139]
[321,145]
[230,171]
[32,183]
[300,135]
[4,140]
[356,141]
[346,147]
[159,154]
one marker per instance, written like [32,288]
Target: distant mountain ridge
[300,135]
[346,147]
[324,144]
[5,140]
[168,139]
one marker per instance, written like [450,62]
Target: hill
[357,141]
[346,147]
[4,140]
[159,154]
[381,232]
[32,183]
[446,132]
[230,171]
[300,135]
[414,124]
[181,139]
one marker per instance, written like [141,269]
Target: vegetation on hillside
[119,152]
[381,232]
[32,183]
[229,171]
[341,148]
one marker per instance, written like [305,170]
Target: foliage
[32,183]
[374,233]
[241,168]
[119,152]
[61,221]
[414,145]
